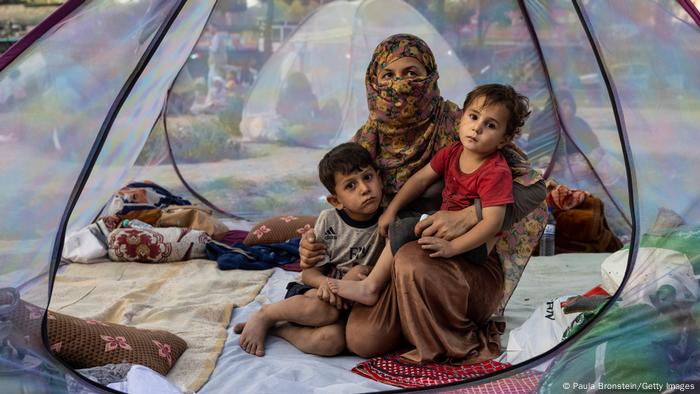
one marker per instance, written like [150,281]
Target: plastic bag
[543,330]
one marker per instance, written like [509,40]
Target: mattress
[286,369]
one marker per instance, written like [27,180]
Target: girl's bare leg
[368,290]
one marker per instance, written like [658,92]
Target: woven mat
[392,369]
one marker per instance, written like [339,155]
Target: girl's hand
[441,247]
[311,251]
[384,221]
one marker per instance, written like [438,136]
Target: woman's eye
[411,74]
[387,75]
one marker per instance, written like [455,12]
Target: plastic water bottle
[547,240]
[135,223]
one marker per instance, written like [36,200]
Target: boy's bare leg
[327,340]
[307,310]
[366,291]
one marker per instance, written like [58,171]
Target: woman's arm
[481,233]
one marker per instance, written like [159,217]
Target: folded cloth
[191,216]
[150,216]
[584,229]
[584,223]
[562,198]
[256,257]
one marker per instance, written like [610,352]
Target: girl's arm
[413,188]
[481,233]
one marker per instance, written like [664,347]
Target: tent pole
[622,132]
[189,188]
[37,32]
[548,80]
[99,143]
[555,107]
[689,7]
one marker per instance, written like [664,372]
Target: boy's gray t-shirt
[348,242]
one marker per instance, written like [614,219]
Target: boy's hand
[310,250]
[384,221]
[324,293]
[441,247]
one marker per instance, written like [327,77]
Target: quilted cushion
[90,343]
[279,229]
[156,245]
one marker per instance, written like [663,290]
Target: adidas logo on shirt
[329,234]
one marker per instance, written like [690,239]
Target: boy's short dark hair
[495,93]
[345,158]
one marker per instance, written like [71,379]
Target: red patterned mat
[393,370]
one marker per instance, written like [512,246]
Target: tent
[106,91]
[327,42]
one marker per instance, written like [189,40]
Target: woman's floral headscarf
[408,119]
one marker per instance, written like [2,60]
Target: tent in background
[330,49]
[94,117]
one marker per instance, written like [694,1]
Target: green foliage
[198,139]
[207,139]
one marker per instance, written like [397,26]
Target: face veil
[408,119]
[407,101]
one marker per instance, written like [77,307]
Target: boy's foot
[253,333]
[358,291]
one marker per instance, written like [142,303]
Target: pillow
[279,229]
[91,343]
[156,245]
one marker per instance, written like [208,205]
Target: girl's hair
[345,159]
[494,93]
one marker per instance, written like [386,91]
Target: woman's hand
[441,247]
[311,251]
[385,220]
[447,225]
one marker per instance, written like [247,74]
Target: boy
[353,243]
[472,168]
